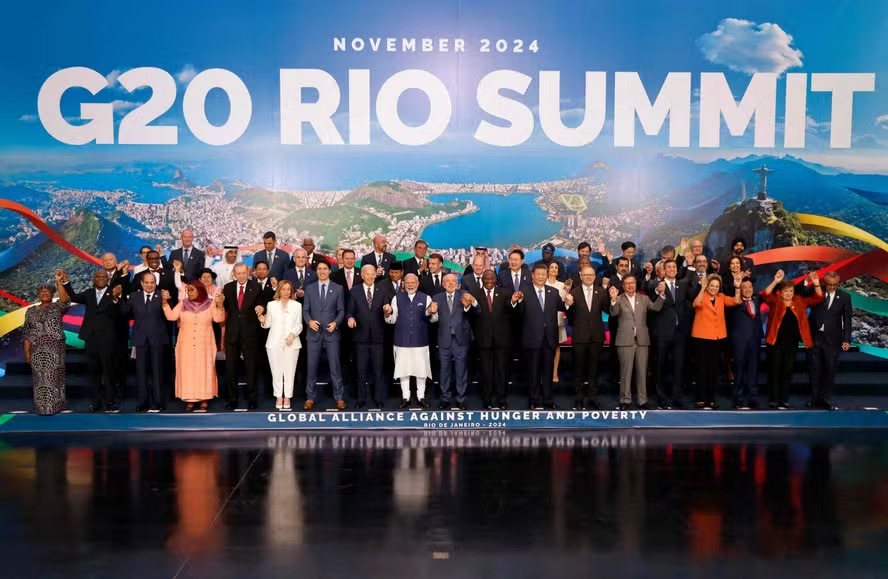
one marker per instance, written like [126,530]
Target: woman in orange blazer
[787,326]
[709,332]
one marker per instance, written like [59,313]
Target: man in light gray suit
[633,340]
[323,314]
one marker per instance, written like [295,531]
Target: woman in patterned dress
[44,343]
[196,380]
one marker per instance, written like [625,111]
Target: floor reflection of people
[284,519]
[198,502]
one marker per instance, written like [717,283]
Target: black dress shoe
[360,404]
[96,407]
[644,406]
[424,403]
[142,408]
[622,406]
[444,405]
[378,405]
[113,408]
[550,406]
[593,405]
[678,405]
[404,403]
[503,405]
[827,405]
[252,405]
[578,405]
[231,405]
[461,406]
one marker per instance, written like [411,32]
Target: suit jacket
[242,324]
[676,314]
[741,327]
[454,328]
[292,275]
[836,320]
[338,277]
[493,329]
[267,291]
[634,269]
[279,324]
[587,325]
[387,260]
[410,265]
[539,327]
[387,287]
[371,326]
[469,283]
[149,322]
[505,280]
[636,319]
[427,283]
[279,264]
[167,282]
[101,320]
[122,279]
[315,259]
[331,309]
[196,262]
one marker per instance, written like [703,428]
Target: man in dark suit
[379,257]
[492,325]
[479,252]
[99,334]
[389,287]
[418,264]
[745,332]
[151,339]
[539,334]
[263,369]
[323,314]
[243,304]
[451,314]
[300,275]
[431,282]
[118,275]
[738,248]
[367,322]
[629,250]
[347,277]
[515,277]
[586,302]
[277,259]
[193,260]
[830,322]
[671,327]
[472,281]
[314,259]
[164,277]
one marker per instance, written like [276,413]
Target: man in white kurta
[409,312]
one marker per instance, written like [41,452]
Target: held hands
[352,323]
[117,292]
[380,271]
[648,267]
[778,277]
[815,279]
[568,284]
[220,300]
[177,266]
[314,325]
[274,283]
[661,288]
[259,310]
[467,300]
[517,297]
[569,299]
[387,310]
[433,309]
[613,292]
[165,296]
[61,277]
[300,293]
[123,266]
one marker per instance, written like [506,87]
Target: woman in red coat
[787,326]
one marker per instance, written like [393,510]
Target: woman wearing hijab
[196,381]
[44,343]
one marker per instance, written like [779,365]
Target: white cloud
[750,47]
[186,75]
[28,118]
[813,126]
[866,141]
[112,77]
[882,121]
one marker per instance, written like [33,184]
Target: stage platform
[507,420]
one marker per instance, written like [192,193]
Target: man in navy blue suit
[192,259]
[830,323]
[451,310]
[379,257]
[277,259]
[745,332]
[368,328]
[151,340]
[671,328]
[539,308]
[323,313]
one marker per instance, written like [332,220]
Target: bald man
[379,257]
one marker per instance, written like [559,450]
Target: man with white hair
[192,258]
[409,312]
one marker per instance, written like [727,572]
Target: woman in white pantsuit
[283,319]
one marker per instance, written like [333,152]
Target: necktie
[450,303]
[477,280]
[437,280]
[750,309]
[185,255]
[147,299]
[378,260]
[369,299]
[589,298]
[240,296]
[517,283]
[348,278]
[323,292]
[490,300]
[672,289]
[700,276]
[542,299]
[829,301]
[270,257]
[300,278]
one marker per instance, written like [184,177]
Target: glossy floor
[439,504]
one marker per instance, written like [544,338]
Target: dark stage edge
[444,420]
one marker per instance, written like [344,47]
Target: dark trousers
[746,358]
[151,358]
[263,368]
[669,366]
[494,374]
[585,362]
[823,359]
[233,351]
[454,368]
[781,360]
[709,363]
[121,366]
[371,378]
[542,365]
[101,372]
[348,362]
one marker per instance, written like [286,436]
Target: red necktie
[240,296]
[750,309]
[490,300]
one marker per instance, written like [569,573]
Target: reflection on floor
[446,504]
